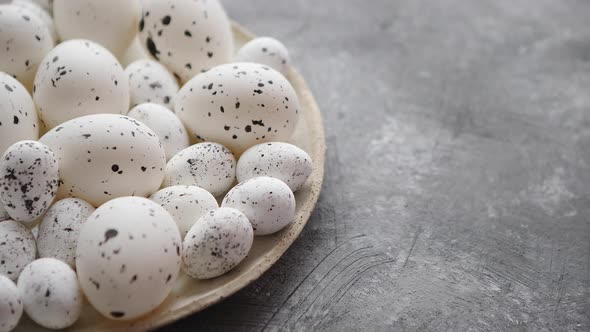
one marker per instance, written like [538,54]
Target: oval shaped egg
[111,23]
[267,51]
[104,156]
[51,293]
[165,124]
[218,242]
[77,78]
[29,177]
[239,105]
[268,203]
[188,37]
[186,204]
[18,249]
[58,232]
[150,82]
[282,161]
[11,305]
[24,40]
[18,116]
[128,257]
[210,166]
[41,13]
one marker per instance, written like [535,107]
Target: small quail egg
[267,51]
[17,250]
[150,82]
[11,305]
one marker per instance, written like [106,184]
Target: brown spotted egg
[18,116]
[268,203]
[29,180]
[24,41]
[150,82]
[186,36]
[267,51]
[104,156]
[51,293]
[57,234]
[79,77]
[18,248]
[165,124]
[216,243]
[239,105]
[11,305]
[128,257]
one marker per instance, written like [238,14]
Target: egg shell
[3,214]
[18,116]
[104,156]
[59,230]
[216,243]
[150,82]
[186,36]
[18,248]
[266,51]
[51,293]
[47,5]
[24,40]
[128,257]
[111,23]
[165,124]
[11,305]
[41,13]
[210,166]
[267,202]
[282,161]
[186,204]
[79,77]
[239,105]
[29,179]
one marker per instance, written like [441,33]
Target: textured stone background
[457,190]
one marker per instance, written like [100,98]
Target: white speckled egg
[50,293]
[59,230]
[268,203]
[104,156]
[29,179]
[18,116]
[78,78]
[218,242]
[150,82]
[24,41]
[239,105]
[267,51]
[165,124]
[17,250]
[210,166]
[11,305]
[186,36]
[128,257]
[186,204]
[111,23]
[41,13]
[282,161]
[3,214]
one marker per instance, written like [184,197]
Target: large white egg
[150,82]
[104,156]
[186,204]
[77,78]
[128,257]
[59,230]
[165,124]
[18,116]
[268,203]
[24,41]
[11,305]
[239,105]
[51,293]
[41,13]
[29,180]
[267,51]
[111,23]
[186,36]
[18,248]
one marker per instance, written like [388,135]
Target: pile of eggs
[112,179]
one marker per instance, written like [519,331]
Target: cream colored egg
[150,82]
[11,305]
[41,13]
[267,51]
[18,250]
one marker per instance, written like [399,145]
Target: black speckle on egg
[166,20]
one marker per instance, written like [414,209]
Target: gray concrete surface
[457,190]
